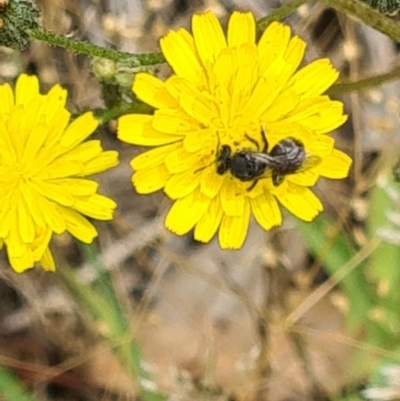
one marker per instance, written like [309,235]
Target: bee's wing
[309,162]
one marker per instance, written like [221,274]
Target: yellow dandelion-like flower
[43,165]
[238,129]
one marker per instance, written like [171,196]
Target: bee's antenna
[264,137]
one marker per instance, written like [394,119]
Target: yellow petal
[151,179]
[173,122]
[273,44]
[208,225]
[54,216]
[266,211]
[335,166]
[179,160]
[34,143]
[179,50]
[152,91]
[268,88]
[182,184]
[204,27]
[315,78]
[186,212]
[233,229]
[211,182]
[79,227]
[232,200]
[241,29]
[154,157]
[56,99]
[96,206]
[47,261]
[20,262]
[7,100]
[54,192]
[294,53]
[200,140]
[306,178]
[137,129]
[79,130]
[33,204]
[26,225]
[327,119]
[199,107]
[27,87]
[300,201]
[318,113]
[104,161]
[283,105]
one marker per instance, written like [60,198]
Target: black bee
[288,156]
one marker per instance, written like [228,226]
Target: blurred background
[303,312]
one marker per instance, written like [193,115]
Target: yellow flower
[43,165]
[225,93]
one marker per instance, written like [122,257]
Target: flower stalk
[81,47]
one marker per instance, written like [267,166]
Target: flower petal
[79,130]
[211,182]
[151,179]
[314,79]
[335,166]
[266,211]
[179,50]
[273,44]
[26,88]
[78,226]
[204,26]
[154,157]
[137,129]
[294,53]
[182,184]
[7,100]
[232,201]
[186,212]
[152,91]
[300,201]
[208,225]
[233,229]
[241,29]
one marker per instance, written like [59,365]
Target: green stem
[367,15]
[365,83]
[130,60]
[280,13]
[106,115]
[11,388]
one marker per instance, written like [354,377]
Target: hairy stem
[127,59]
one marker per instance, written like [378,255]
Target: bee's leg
[264,137]
[252,140]
[252,185]
[277,178]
